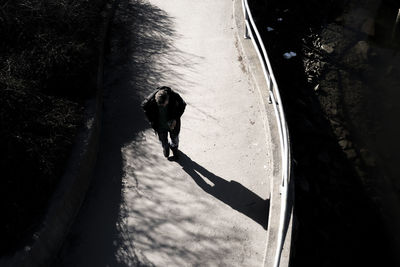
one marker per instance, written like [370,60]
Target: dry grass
[48,52]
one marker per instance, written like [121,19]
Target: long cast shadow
[232,193]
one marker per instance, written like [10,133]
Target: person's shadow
[231,193]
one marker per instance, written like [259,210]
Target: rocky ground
[340,101]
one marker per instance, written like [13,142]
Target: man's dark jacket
[176,107]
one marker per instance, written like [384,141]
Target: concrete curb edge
[258,80]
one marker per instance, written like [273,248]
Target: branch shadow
[141,57]
[231,192]
[134,214]
[144,37]
[162,224]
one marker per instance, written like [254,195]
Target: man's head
[162,97]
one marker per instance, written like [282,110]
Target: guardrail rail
[251,32]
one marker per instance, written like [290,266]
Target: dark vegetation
[48,56]
[328,91]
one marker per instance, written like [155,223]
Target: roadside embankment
[53,220]
[339,93]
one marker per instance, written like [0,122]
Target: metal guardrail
[275,99]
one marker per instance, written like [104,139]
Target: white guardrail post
[246,18]
[275,99]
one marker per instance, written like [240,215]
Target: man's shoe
[166,151]
[175,152]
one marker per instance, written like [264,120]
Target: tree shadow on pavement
[145,48]
[231,193]
[142,57]
[137,212]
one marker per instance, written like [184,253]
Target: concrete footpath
[208,209]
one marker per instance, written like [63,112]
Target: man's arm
[180,105]
[146,106]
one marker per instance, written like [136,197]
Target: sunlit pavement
[209,208]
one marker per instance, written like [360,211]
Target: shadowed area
[143,210]
[168,219]
[140,33]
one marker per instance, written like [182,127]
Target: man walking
[163,109]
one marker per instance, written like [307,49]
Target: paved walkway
[208,209]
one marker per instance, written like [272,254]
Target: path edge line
[254,68]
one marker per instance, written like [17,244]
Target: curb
[255,72]
[71,190]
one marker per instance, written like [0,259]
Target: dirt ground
[340,96]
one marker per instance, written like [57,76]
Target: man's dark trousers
[174,135]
